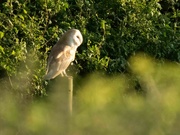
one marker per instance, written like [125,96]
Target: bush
[113,31]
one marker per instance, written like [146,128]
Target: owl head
[73,37]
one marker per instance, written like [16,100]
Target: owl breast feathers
[63,53]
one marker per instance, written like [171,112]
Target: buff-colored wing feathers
[57,64]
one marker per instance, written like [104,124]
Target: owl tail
[49,75]
[52,74]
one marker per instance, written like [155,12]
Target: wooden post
[60,90]
[70,96]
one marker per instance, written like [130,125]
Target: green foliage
[113,31]
[24,44]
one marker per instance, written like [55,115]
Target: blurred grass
[102,105]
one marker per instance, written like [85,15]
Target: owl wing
[58,61]
[56,51]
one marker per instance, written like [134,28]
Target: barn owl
[63,53]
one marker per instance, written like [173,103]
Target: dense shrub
[112,30]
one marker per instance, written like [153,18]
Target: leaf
[24,11]
[1,49]
[13,52]
[21,17]
[103,22]
[1,34]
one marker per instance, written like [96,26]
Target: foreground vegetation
[103,105]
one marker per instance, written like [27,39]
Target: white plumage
[63,53]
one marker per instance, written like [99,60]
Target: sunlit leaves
[1,34]
[113,31]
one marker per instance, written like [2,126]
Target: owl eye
[78,37]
